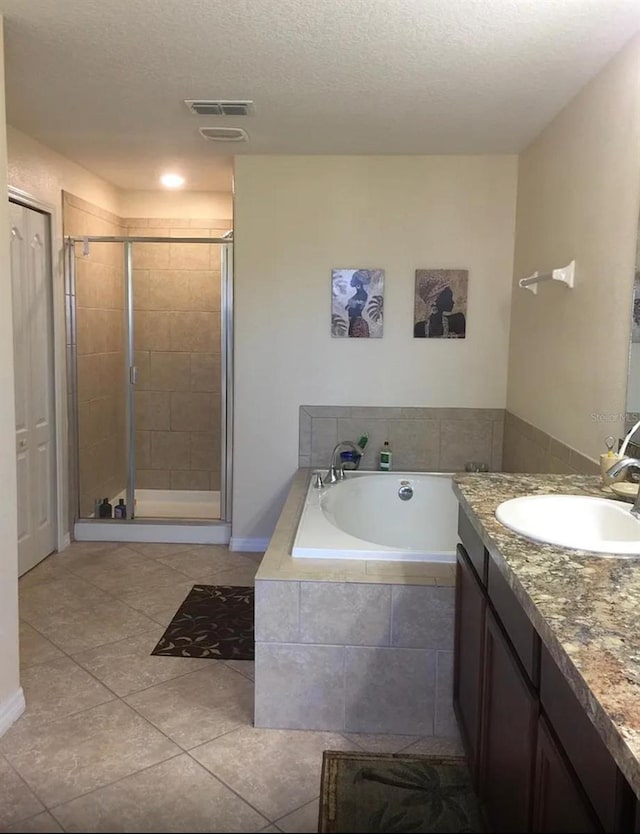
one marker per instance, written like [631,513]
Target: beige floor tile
[198,707]
[17,802]
[90,750]
[245,667]
[34,648]
[160,604]
[158,550]
[383,743]
[52,691]
[51,568]
[276,771]
[90,547]
[84,554]
[242,576]
[38,601]
[128,665]
[302,821]
[208,561]
[177,795]
[124,571]
[43,823]
[77,627]
[433,746]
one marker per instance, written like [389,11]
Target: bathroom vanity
[546,668]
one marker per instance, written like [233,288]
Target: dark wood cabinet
[560,805]
[537,762]
[509,715]
[468,652]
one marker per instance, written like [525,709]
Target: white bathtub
[363,517]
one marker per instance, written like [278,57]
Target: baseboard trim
[248,544]
[11,710]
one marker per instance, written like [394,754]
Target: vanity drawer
[517,625]
[584,748]
[473,545]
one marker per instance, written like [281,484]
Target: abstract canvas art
[357,303]
[440,306]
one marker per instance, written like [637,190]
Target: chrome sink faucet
[336,473]
[617,468]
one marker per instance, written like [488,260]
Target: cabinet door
[507,735]
[468,650]
[559,803]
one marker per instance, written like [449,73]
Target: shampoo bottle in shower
[385,457]
[120,511]
[106,509]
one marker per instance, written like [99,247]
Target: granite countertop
[586,608]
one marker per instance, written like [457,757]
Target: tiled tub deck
[357,646]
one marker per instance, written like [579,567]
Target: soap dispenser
[607,460]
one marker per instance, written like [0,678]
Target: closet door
[34,385]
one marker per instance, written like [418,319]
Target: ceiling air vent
[224,134]
[219,107]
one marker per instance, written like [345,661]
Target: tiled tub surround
[177,352]
[584,607]
[351,645]
[421,439]
[528,449]
[437,439]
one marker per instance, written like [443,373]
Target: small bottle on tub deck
[385,457]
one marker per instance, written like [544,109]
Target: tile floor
[115,740]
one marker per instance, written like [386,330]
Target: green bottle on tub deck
[385,457]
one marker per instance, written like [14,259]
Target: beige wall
[100,354]
[297,217]
[196,205]
[177,343]
[10,693]
[578,198]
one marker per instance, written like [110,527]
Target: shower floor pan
[174,503]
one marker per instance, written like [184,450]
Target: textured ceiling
[103,81]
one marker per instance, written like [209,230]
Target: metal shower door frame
[226,347]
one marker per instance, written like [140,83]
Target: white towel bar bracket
[564,275]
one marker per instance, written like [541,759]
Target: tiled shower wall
[100,352]
[177,352]
[421,439]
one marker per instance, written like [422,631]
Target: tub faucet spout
[336,473]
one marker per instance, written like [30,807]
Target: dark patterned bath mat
[373,792]
[214,621]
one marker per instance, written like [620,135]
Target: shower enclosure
[149,324]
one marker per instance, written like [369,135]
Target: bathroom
[536,385]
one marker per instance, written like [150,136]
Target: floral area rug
[368,792]
[214,621]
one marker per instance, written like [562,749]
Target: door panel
[34,385]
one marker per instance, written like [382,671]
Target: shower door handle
[133,375]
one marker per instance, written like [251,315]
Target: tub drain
[406,491]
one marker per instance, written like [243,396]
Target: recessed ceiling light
[172,180]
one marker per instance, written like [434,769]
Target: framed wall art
[357,303]
[440,305]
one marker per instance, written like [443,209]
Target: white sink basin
[580,521]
